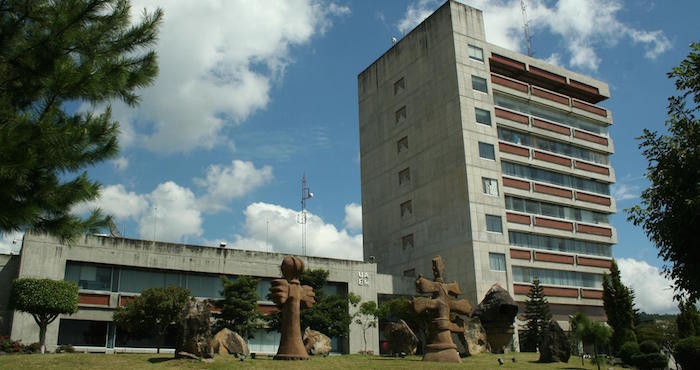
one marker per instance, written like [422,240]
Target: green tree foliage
[537,317]
[664,333]
[329,314]
[627,351]
[239,306]
[366,317]
[152,313]
[670,208]
[687,352]
[587,331]
[688,320]
[44,299]
[619,308]
[55,56]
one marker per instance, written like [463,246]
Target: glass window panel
[476,53]
[494,224]
[82,333]
[497,261]
[486,151]
[136,280]
[538,174]
[520,239]
[264,289]
[483,116]
[479,84]
[89,276]
[205,286]
[490,186]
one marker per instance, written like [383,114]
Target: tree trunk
[595,352]
[364,338]
[42,337]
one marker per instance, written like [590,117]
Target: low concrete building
[110,270]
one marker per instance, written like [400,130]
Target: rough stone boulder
[555,344]
[194,331]
[229,342]
[400,337]
[473,341]
[496,312]
[316,343]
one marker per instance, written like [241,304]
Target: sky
[252,95]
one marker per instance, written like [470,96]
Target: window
[483,116]
[404,176]
[82,332]
[494,224]
[400,115]
[476,53]
[399,86]
[497,261]
[538,174]
[406,209]
[555,210]
[520,239]
[409,273]
[551,146]
[486,151]
[490,186]
[557,277]
[402,144]
[407,241]
[479,84]
[89,276]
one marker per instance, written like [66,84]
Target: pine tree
[56,56]
[239,306]
[619,308]
[688,320]
[537,315]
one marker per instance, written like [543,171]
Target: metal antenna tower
[301,218]
[526,28]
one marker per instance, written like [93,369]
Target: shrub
[687,352]
[8,345]
[650,361]
[649,346]
[32,348]
[628,350]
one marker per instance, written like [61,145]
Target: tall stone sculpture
[497,313]
[289,294]
[441,347]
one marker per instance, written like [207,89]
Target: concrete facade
[426,163]
[44,257]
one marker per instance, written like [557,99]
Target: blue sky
[252,95]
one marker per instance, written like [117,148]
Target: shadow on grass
[157,360]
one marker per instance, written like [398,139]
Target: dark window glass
[479,84]
[402,144]
[82,333]
[483,116]
[486,151]
[89,276]
[494,224]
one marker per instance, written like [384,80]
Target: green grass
[151,361]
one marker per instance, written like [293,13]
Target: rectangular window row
[555,210]
[522,138]
[557,277]
[520,239]
[554,178]
[549,114]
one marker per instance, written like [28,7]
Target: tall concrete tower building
[494,160]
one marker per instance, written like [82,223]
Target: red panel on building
[585,87]
[514,64]
[559,129]
[519,254]
[553,257]
[548,75]
[517,218]
[592,168]
[551,158]
[595,262]
[595,230]
[521,288]
[513,149]
[590,108]
[590,137]
[554,224]
[551,190]
[591,294]
[590,198]
[502,113]
[509,83]
[93,299]
[560,292]
[549,95]
[123,300]
[517,184]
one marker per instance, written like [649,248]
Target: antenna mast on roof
[301,218]
[526,28]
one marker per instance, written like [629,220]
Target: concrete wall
[9,269]
[44,257]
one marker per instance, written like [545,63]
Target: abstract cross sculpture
[439,306]
[289,293]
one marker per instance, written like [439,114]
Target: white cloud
[121,163]
[224,183]
[353,216]
[115,200]
[218,61]
[176,212]
[622,191]
[653,292]
[284,235]
[11,242]
[583,26]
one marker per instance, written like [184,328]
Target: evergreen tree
[688,320]
[537,315]
[619,308]
[239,307]
[54,57]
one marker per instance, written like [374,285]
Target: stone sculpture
[290,294]
[473,341]
[555,344]
[316,343]
[194,331]
[229,342]
[401,338]
[441,348]
[497,312]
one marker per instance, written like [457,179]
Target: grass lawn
[151,361]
